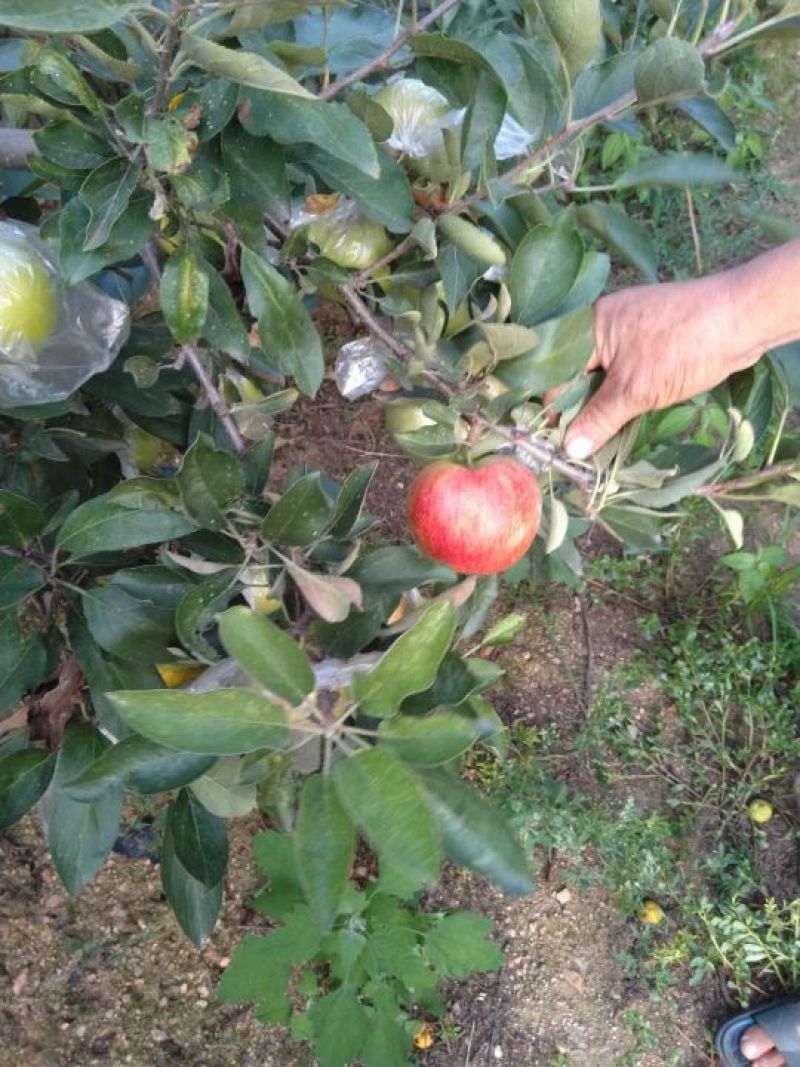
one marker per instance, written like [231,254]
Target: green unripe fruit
[473,242]
[355,245]
[148,452]
[406,416]
[29,299]
[576,26]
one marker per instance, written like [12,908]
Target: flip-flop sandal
[781,1021]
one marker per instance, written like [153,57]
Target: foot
[758,1046]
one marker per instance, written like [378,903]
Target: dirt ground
[107,978]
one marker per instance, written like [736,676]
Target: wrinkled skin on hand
[662,344]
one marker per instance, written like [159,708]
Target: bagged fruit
[342,234]
[52,336]
[422,115]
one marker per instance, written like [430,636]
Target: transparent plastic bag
[421,114]
[52,336]
[342,233]
[361,367]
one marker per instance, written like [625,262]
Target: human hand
[659,345]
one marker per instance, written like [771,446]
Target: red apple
[478,520]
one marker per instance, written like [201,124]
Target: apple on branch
[478,520]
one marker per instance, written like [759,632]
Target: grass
[678,742]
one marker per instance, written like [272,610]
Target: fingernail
[748,1048]
[579,447]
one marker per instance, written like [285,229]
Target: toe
[757,1042]
[770,1059]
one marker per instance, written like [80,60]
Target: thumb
[602,418]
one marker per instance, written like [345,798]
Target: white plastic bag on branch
[361,367]
[52,336]
[421,115]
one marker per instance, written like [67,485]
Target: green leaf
[458,946]
[244,68]
[387,1044]
[668,68]
[409,666]
[386,199]
[103,525]
[576,26]
[459,273]
[18,580]
[199,839]
[340,1027]
[222,790]
[475,835]
[330,126]
[505,630]
[267,653]
[141,765]
[223,328]
[388,804]
[209,481]
[80,835]
[394,569]
[127,237]
[20,519]
[219,722]
[638,531]
[256,169]
[24,776]
[350,501]
[564,348]
[261,966]
[275,857]
[287,333]
[129,624]
[544,269]
[429,740]
[23,660]
[324,849]
[626,236]
[482,122]
[706,112]
[59,16]
[679,169]
[107,192]
[456,680]
[300,516]
[197,611]
[74,147]
[184,295]
[196,906]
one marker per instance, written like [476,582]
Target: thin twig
[698,251]
[544,454]
[358,281]
[791,467]
[382,60]
[190,354]
[362,311]
[168,47]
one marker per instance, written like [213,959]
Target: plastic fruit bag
[421,116]
[342,233]
[52,336]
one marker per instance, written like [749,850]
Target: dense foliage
[221,168]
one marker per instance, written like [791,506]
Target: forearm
[765,295]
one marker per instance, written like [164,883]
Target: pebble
[563,896]
[498,1052]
